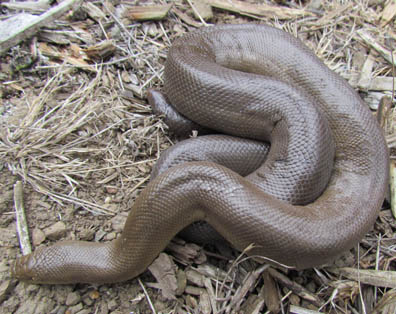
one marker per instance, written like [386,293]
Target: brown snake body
[316,194]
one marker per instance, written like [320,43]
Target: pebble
[38,237]
[31,288]
[294,299]
[111,190]
[73,298]
[94,294]
[44,305]
[55,231]
[87,300]
[87,234]
[110,236]
[117,222]
[62,293]
[69,212]
[5,288]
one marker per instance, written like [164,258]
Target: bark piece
[262,9]
[11,36]
[163,269]
[388,13]
[377,278]
[22,227]
[296,288]
[149,12]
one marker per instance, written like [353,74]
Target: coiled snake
[315,195]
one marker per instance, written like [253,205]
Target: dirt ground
[77,131]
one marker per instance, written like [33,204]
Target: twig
[147,297]
[369,40]
[22,227]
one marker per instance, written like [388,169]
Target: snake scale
[313,195]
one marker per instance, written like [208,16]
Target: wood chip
[387,304]
[300,310]
[194,277]
[371,42]
[249,282]
[194,290]
[22,227]
[388,13]
[187,253]
[202,10]
[205,304]
[253,305]
[262,9]
[31,6]
[150,12]
[384,111]
[212,296]
[101,50]
[163,269]
[270,293]
[377,278]
[296,288]
[186,18]
[93,11]
[60,55]
[366,73]
[393,187]
[330,16]
[211,271]
[382,83]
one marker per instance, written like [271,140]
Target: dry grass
[75,125]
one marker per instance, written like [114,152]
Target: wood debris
[22,226]
[373,43]
[249,9]
[393,186]
[29,6]
[26,30]
[202,10]
[149,12]
[388,13]
[164,270]
[380,278]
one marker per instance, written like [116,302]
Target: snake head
[26,268]
[46,265]
[68,262]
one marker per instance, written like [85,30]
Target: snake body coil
[315,195]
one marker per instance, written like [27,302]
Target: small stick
[22,228]
[370,40]
[147,297]
[393,187]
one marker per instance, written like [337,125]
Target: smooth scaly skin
[305,117]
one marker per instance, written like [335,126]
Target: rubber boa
[315,195]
